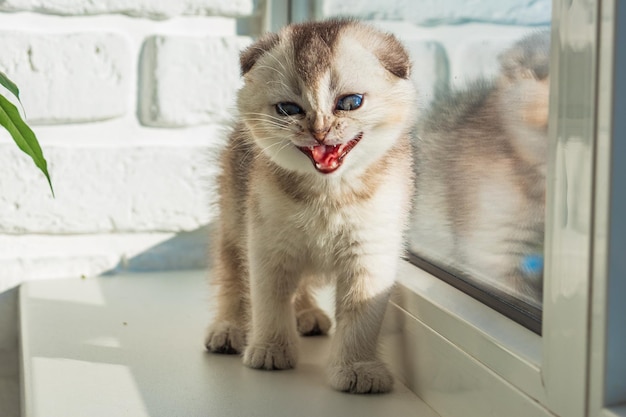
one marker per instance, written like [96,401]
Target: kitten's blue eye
[350,102]
[288,109]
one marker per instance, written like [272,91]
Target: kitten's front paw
[313,322]
[225,338]
[361,378]
[271,356]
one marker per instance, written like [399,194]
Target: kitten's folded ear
[394,57]
[528,58]
[251,54]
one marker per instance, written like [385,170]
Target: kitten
[481,166]
[316,186]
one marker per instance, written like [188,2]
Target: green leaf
[23,136]
[9,85]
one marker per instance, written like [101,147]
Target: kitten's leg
[311,320]
[362,297]
[227,333]
[273,282]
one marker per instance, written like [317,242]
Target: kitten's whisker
[279,82]
[265,52]
[269,122]
[269,131]
[281,125]
[279,140]
[283,147]
[268,125]
[273,69]
[269,116]
[268,147]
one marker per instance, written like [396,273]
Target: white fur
[385,98]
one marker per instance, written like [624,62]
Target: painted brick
[478,58]
[158,9]
[68,78]
[435,12]
[189,80]
[37,257]
[103,188]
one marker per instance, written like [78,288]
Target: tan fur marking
[313,47]
[535,112]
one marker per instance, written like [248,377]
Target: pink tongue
[325,156]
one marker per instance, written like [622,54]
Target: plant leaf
[23,136]
[9,85]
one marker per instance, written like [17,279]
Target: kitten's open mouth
[328,158]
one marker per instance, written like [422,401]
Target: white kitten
[315,187]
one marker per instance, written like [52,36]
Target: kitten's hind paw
[270,356]
[313,322]
[361,378]
[225,338]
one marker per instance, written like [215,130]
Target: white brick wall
[205,68]
[95,88]
[129,99]
[153,185]
[159,9]
[68,78]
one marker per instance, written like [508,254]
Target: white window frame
[607,360]
[467,360]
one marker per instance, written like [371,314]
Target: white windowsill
[133,346]
[489,337]
[459,356]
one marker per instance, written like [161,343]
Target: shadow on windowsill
[184,251]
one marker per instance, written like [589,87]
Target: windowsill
[132,346]
[491,339]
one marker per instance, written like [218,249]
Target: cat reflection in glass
[481,175]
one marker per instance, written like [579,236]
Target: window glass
[481,177]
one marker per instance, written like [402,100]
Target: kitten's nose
[320,135]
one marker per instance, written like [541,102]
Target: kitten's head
[326,97]
[524,85]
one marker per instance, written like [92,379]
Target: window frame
[607,365]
